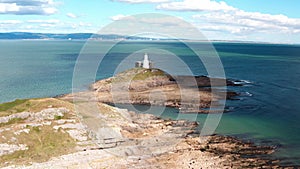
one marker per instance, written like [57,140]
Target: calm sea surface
[268,111]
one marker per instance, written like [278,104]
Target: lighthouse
[146,63]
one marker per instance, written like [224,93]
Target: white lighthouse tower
[146,62]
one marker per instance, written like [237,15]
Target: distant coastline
[109,37]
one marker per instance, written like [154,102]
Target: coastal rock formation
[115,138]
[155,87]
[11,148]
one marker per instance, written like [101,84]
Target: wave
[246,94]
[241,82]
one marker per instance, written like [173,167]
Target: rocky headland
[190,94]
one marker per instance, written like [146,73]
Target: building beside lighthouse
[146,63]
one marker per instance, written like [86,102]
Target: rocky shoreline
[117,138]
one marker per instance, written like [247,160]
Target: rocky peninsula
[190,94]
[71,132]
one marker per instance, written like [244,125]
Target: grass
[43,143]
[148,73]
[56,117]
[9,105]
[32,105]
[137,74]
[37,105]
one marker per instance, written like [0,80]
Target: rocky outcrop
[22,115]
[11,148]
[190,94]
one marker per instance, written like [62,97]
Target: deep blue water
[271,115]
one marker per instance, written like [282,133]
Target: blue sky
[275,21]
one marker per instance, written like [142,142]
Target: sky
[274,21]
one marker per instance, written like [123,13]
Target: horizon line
[145,38]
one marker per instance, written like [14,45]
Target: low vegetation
[148,73]
[32,105]
[137,74]
[43,143]
[10,105]
[58,117]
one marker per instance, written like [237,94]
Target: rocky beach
[80,130]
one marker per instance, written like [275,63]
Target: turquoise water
[270,116]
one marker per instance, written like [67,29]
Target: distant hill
[78,36]
[85,36]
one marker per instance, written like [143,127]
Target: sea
[267,112]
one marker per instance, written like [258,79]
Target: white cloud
[158,25]
[196,5]
[142,1]
[10,22]
[221,17]
[117,17]
[28,2]
[27,7]
[219,20]
[71,15]
[46,26]
[84,24]
[241,22]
